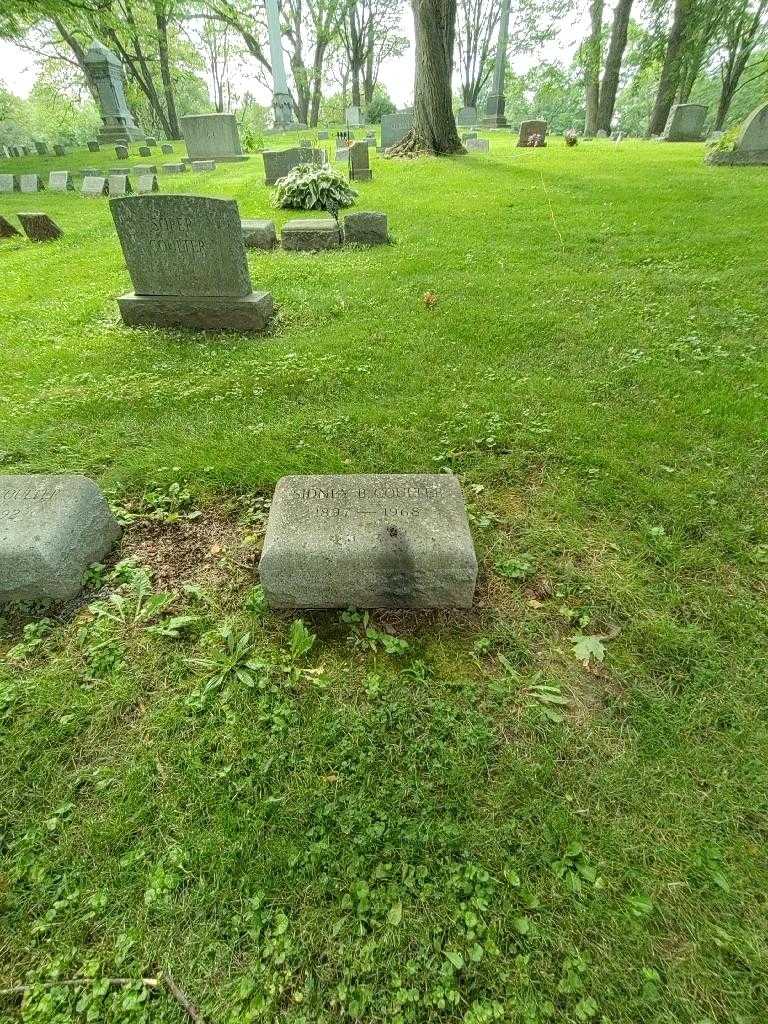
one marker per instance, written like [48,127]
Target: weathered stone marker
[119,185]
[477,145]
[151,140]
[212,137]
[203,165]
[9,183]
[146,183]
[359,166]
[51,529]
[166,148]
[121,152]
[368,541]
[7,230]
[60,150]
[41,148]
[145,151]
[685,123]
[259,234]
[467,117]
[93,146]
[394,127]
[279,162]
[94,185]
[174,168]
[31,183]
[38,227]
[751,146]
[186,258]
[143,169]
[530,128]
[366,228]
[310,234]
[60,181]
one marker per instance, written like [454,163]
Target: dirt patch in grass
[211,550]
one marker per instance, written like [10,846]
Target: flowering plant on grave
[535,140]
[307,187]
[571,137]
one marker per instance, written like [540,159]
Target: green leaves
[588,649]
[301,640]
[395,914]
[314,188]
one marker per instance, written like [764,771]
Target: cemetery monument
[106,73]
[212,137]
[750,146]
[685,123]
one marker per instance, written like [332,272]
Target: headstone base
[250,314]
[310,234]
[737,159]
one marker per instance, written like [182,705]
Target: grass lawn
[407,817]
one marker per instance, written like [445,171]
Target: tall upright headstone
[212,137]
[186,258]
[359,167]
[106,73]
[282,104]
[494,108]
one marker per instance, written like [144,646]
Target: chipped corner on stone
[368,541]
[52,527]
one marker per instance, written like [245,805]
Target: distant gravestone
[530,128]
[186,258]
[323,135]
[94,185]
[38,227]
[106,73]
[310,234]
[477,145]
[279,162]
[30,183]
[359,167]
[468,135]
[51,529]
[368,541]
[86,171]
[119,185]
[151,141]
[174,168]
[144,169]
[9,183]
[342,152]
[41,148]
[7,230]
[364,228]
[203,165]
[13,151]
[394,127]
[121,152]
[166,148]
[145,151]
[601,134]
[60,150]
[93,146]
[60,181]
[751,145]
[259,234]
[212,137]
[146,183]
[685,123]
[25,151]
[353,118]
[467,117]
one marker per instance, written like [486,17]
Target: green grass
[410,832]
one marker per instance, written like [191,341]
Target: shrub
[727,140]
[379,105]
[314,188]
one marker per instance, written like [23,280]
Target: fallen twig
[182,999]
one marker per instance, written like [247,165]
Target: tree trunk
[161,20]
[610,84]
[434,128]
[79,54]
[592,67]
[670,71]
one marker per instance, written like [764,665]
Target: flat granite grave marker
[30,183]
[151,140]
[212,137]
[60,150]
[310,234]
[121,152]
[368,541]
[146,183]
[9,183]
[477,145]
[119,185]
[203,165]
[94,185]
[279,162]
[38,227]
[51,529]
[60,181]
[258,234]
[186,258]
[174,168]
[145,151]
[366,228]
[7,230]
[685,123]
[166,148]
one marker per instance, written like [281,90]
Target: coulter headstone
[186,258]
[51,529]
[368,541]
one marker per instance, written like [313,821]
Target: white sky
[18,69]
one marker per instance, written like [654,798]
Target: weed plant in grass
[549,809]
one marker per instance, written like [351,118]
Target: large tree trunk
[670,71]
[434,128]
[592,67]
[610,84]
[161,20]
[79,54]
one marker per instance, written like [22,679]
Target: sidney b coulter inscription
[368,541]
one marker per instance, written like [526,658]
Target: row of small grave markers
[92,184]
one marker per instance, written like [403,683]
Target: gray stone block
[94,185]
[477,145]
[30,183]
[366,228]
[146,183]
[249,313]
[145,151]
[121,152]
[685,123]
[143,169]
[259,234]
[51,529]
[166,148]
[41,148]
[60,181]
[9,183]
[310,234]
[174,168]
[93,146]
[151,141]
[203,165]
[368,541]
[60,150]
[212,137]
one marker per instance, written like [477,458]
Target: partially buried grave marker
[51,529]
[368,541]
[146,183]
[119,185]
[186,258]
[7,230]
[9,183]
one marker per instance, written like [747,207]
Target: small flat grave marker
[151,140]
[203,165]
[41,148]
[51,529]
[38,227]
[166,147]
[60,181]
[94,185]
[7,230]
[60,150]
[259,234]
[145,151]
[93,146]
[121,152]
[310,234]
[9,183]
[119,185]
[368,541]
[146,183]
[31,183]
[174,168]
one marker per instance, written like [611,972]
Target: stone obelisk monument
[282,104]
[494,110]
